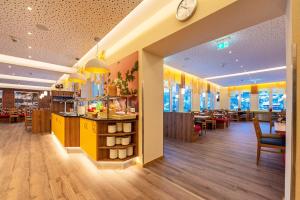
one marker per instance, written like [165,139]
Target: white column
[150,107]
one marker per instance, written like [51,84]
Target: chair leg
[258,154]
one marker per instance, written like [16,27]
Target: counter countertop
[105,119]
[91,118]
[66,115]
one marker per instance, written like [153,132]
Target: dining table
[280,128]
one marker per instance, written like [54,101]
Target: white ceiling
[258,47]
[72,24]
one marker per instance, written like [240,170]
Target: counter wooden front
[66,129]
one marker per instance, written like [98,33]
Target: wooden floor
[35,167]
[222,165]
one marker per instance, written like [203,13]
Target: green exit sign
[222,45]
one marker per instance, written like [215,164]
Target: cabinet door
[60,129]
[88,137]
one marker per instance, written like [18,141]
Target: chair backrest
[257,128]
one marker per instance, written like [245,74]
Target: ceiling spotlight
[236,60]
[242,66]
[230,52]
[29,47]
[29,8]
[29,33]
[9,66]
[29,57]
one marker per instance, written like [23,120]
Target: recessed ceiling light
[29,57]
[9,66]
[230,52]
[242,66]
[29,47]
[236,60]
[247,73]
[29,33]
[29,8]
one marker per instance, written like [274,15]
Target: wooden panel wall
[41,121]
[179,126]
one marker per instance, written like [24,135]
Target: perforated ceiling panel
[257,47]
[66,28]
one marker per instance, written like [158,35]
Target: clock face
[186,9]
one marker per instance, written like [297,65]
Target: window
[97,90]
[187,99]
[263,100]
[166,100]
[175,98]
[202,101]
[210,101]
[234,101]
[278,100]
[245,100]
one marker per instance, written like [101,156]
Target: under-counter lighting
[35,64]
[22,78]
[246,73]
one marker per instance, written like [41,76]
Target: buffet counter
[66,128]
[101,139]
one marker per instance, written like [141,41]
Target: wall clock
[186,9]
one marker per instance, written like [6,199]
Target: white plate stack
[126,127]
[113,153]
[110,141]
[129,151]
[122,153]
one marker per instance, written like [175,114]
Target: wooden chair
[28,119]
[13,116]
[203,127]
[272,141]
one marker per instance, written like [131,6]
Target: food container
[113,153]
[118,140]
[110,141]
[129,151]
[119,127]
[126,127]
[125,140]
[122,153]
[112,128]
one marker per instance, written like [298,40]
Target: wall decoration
[123,76]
